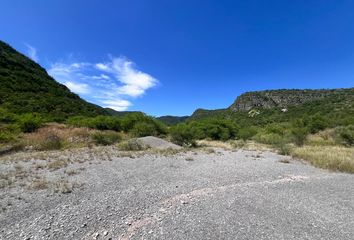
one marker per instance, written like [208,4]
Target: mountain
[336,105]
[172,120]
[26,87]
[279,98]
[113,112]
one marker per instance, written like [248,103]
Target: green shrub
[9,133]
[144,129]
[182,135]
[247,133]
[29,122]
[316,124]
[299,136]
[136,123]
[346,135]
[215,129]
[106,138]
[268,138]
[283,148]
[6,117]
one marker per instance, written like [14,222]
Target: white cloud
[118,105]
[112,84]
[32,53]
[79,88]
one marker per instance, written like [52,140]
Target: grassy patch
[106,138]
[39,184]
[63,186]
[131,145]
[335,158]
[57,164]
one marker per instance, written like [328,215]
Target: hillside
[26,87]
[336,105]
[282,98]
[172,120]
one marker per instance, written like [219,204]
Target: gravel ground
[190,195]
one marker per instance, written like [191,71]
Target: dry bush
[63,186]
[335,158]
[39,184]
[57,136]
[323,138]
[71,172]
[131,145]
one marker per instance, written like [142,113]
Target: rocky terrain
[278,98]
[211,193]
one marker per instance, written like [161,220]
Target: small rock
[105,233]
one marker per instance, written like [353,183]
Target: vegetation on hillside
[25,87]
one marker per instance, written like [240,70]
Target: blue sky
[171,57]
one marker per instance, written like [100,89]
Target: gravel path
[192,195]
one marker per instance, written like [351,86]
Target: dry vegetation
[336,158]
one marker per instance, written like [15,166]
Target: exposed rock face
[277,98]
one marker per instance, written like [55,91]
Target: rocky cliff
[278,98]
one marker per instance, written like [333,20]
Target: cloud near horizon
[113,84]
[32,52]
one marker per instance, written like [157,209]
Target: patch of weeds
[63,186]
[284,160]
[71,172]
[131,145]
[210,150]
[168,152]
[106,138]
[238,144]
[39,184]
[57,164]
[283,148]
[51,142]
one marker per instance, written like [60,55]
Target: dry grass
[216,144]
[57,164]
[324,138]
[329,157]
[57,136]
[39,184]
[284,161]
[71,172]
[63,186]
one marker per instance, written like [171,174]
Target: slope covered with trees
[25,87]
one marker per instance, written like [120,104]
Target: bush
[29,122]
[346,135]
[182,135]
[268,138]
[215,129]
[246,133]
[51,142]
[283,148]
[144,129]
[8,133]
[136,123]
[316,124]
[106,138]
[299,136]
